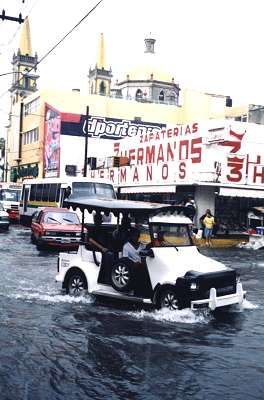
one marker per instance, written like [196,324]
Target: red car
[55,228]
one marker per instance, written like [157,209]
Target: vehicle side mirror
[147,253]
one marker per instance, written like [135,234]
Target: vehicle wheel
[168,299]
[76,284]
[121,276]
[40,246]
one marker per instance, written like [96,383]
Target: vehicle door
[25,199]
[36,223]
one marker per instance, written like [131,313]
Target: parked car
[172,272]
[55,228]
[4,219]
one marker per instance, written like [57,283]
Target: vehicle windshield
[166,235]
[10,195]
[61,218]
[90,189]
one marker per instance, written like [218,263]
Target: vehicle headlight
[48,233]
[194,286]
[78,234]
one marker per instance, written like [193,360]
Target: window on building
[172,97]
[32,107]
[139,94]
[31,136]
[161,96]
[102,88]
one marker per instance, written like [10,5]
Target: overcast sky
[208,45]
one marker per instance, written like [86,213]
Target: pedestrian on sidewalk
[208,223]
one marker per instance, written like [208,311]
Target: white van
[172,272]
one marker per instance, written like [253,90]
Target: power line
[57,44]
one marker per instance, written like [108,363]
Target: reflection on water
[57,347]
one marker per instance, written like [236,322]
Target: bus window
[58,193]
[39,192]
[53,192]
[33,192]
[45,194]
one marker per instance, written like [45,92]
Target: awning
[233,192]
[149,189]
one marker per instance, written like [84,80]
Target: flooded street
[55,347]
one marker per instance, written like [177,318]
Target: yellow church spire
[25,39]
[101,53]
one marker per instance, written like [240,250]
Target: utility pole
[86,142]
[3,16]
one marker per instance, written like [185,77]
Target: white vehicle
[173,273]
[51,192]
[9,198]
[4,219]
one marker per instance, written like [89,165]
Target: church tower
[100,76]
[24,67]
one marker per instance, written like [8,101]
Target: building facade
[48,129]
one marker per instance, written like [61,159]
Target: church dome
[149,67]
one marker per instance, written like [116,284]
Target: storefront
[217,163]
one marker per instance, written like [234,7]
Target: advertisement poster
[52,142]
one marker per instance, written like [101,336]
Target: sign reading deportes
[191,154]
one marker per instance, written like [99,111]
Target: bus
[10,193]
[51,192]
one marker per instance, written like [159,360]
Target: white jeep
[172,273]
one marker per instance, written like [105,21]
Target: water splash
[51,298]
[186,316]
[247,305]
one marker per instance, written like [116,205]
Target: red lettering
[157,136]
[151,136]
[258,173]
[165,171]
[135,176]
[236,166]
[187,130]
[116,148]
[248,161]
[149,172]
[182,170]
[176,131]
[150,154]
[160,156]
[184,150]
[196,149]
[140,155]
[101,173]
[195,127]
[131,154]
[122,174]
[170,154]
[111,175]
[169,133]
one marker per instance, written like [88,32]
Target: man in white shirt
[132,247]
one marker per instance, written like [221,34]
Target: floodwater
[55,347]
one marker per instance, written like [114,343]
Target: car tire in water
[76,284]
[168,299]
[121,276]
